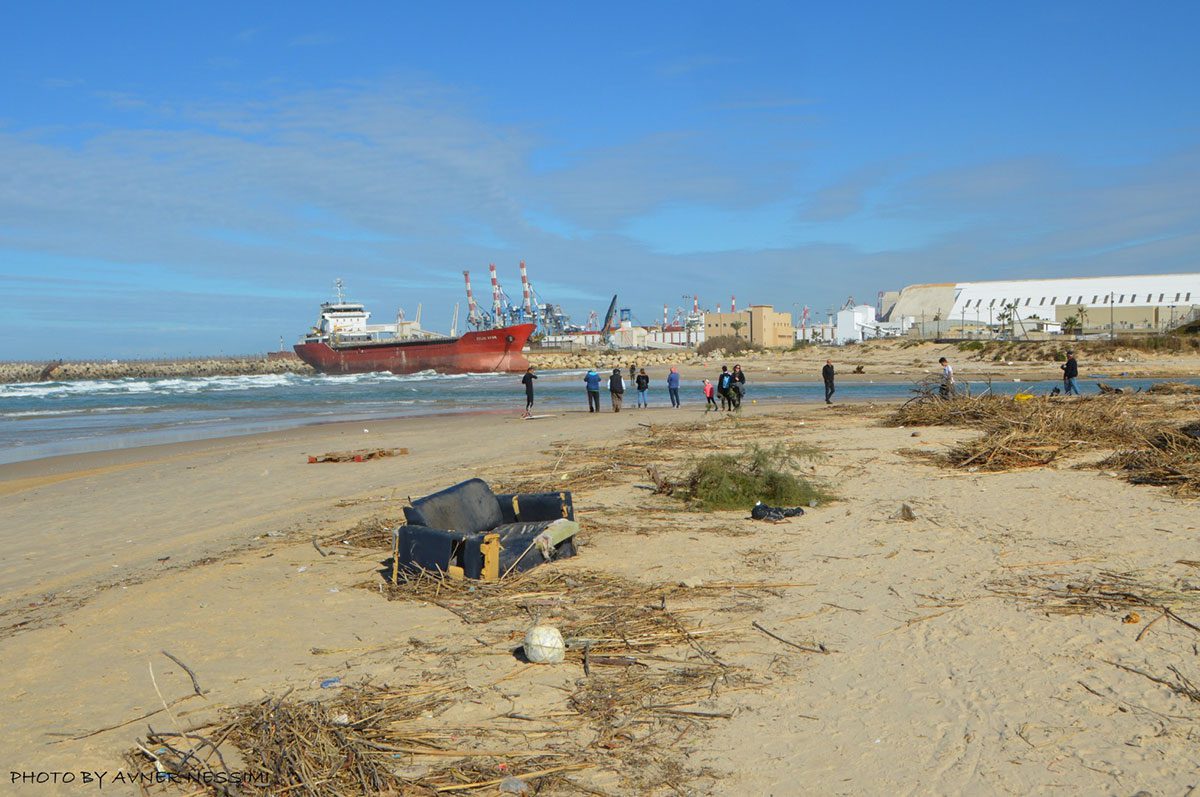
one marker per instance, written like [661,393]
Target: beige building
[760,325]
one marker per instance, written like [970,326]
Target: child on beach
[708,394]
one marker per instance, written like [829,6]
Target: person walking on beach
[632,370]
[1070,371]
[737,388]
[643,384]
[947,388]
[592,383]
[827,375]
[527,380]
[673,387]
[616,389]
[710,403]
[723,383]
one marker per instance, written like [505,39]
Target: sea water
[48,418]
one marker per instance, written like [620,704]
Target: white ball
[544,645]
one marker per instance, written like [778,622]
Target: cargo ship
[342,342]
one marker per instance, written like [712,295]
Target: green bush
[738,481]
[729,344]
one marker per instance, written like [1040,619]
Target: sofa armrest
[435,549]
[530,507]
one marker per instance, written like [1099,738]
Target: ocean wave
[78,411]
[135,385]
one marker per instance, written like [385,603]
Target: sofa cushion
[467,507]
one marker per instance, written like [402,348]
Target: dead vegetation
[650,675]
[1150,445]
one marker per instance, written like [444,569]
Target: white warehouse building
[1142,302]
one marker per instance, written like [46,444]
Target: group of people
[730,387]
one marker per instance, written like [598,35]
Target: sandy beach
[900,658]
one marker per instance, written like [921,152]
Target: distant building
[1143,302]
[761,325]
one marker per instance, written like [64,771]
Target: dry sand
[934,682]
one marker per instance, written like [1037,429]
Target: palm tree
[737,327]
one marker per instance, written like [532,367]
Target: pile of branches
[649,672]
[1035,431]
[350,744]
[1174,388]
[1169,458]
[1105,592]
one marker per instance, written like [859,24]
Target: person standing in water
[1070,371]
[673,386]
[723,383]
[592,383]
[527,381]
[737,387]
[947,388]
[643,384]
[616,389]
[827,375]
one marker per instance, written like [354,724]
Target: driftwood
[361,455]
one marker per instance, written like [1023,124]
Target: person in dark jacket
[724,381]
[643,384]
[1070,371]
[616,389]
[827,375]
[738,388]
[592,383]
[673,387]
[527,381]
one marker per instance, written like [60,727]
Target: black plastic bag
[763,512]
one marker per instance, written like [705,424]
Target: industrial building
[761,325]
[1145,303]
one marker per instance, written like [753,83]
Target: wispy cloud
[314,40]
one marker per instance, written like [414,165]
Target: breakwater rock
[56,371]
[548,361]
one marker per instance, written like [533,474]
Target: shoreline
[556,402]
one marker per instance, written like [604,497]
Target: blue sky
[189,178]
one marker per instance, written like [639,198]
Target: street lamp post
[1112,309]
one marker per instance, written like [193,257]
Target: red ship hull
[486,351]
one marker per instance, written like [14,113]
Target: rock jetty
[59,371]
[56,371]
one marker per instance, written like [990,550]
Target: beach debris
[1149,447]
[906,513]
[858,369]
[360,455]
[761,511]
[195,683]
[330,683]
[511,785]
[544,645]
[471,532]
[655,672]
[1173,388]
[1103,592]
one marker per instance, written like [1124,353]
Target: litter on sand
[361,455]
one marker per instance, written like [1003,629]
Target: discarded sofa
[469,531]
